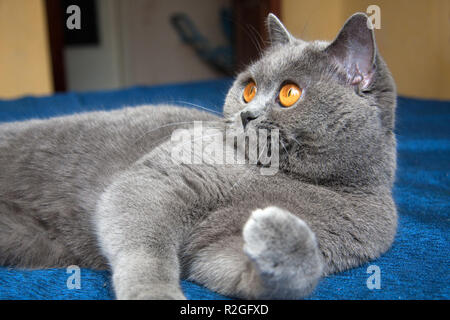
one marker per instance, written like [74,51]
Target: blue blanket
[417,266]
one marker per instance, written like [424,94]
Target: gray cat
[101,190]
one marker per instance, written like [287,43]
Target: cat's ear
[354,49]
[278,33]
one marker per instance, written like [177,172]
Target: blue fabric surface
[416,267]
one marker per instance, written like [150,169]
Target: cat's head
[333,103]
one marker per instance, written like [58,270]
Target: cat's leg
[141,220]
[146,214]
[141,247]
[275,255]
[148,274]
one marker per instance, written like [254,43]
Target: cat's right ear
[278,33]
[354,49]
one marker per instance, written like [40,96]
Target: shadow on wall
[139,45]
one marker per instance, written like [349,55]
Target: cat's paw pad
[277,241]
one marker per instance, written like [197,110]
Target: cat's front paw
[284,250]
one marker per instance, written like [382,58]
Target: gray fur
[100,189]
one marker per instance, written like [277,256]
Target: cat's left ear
[354,49]
[278,33]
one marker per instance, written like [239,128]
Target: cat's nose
[247,116]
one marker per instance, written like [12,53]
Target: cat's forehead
[285,59]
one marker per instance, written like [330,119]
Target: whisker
[199,106]
[159,140]
[168,125]
[163,126]
[202,137]
[284,147]
[259,39]
[246,30]
[253,38]
[249,169]
[166,137]
[296,141]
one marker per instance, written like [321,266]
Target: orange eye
[249,91]
[289,94]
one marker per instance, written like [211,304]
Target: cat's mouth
[258,140]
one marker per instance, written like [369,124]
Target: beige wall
[414,38]
[24,55]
